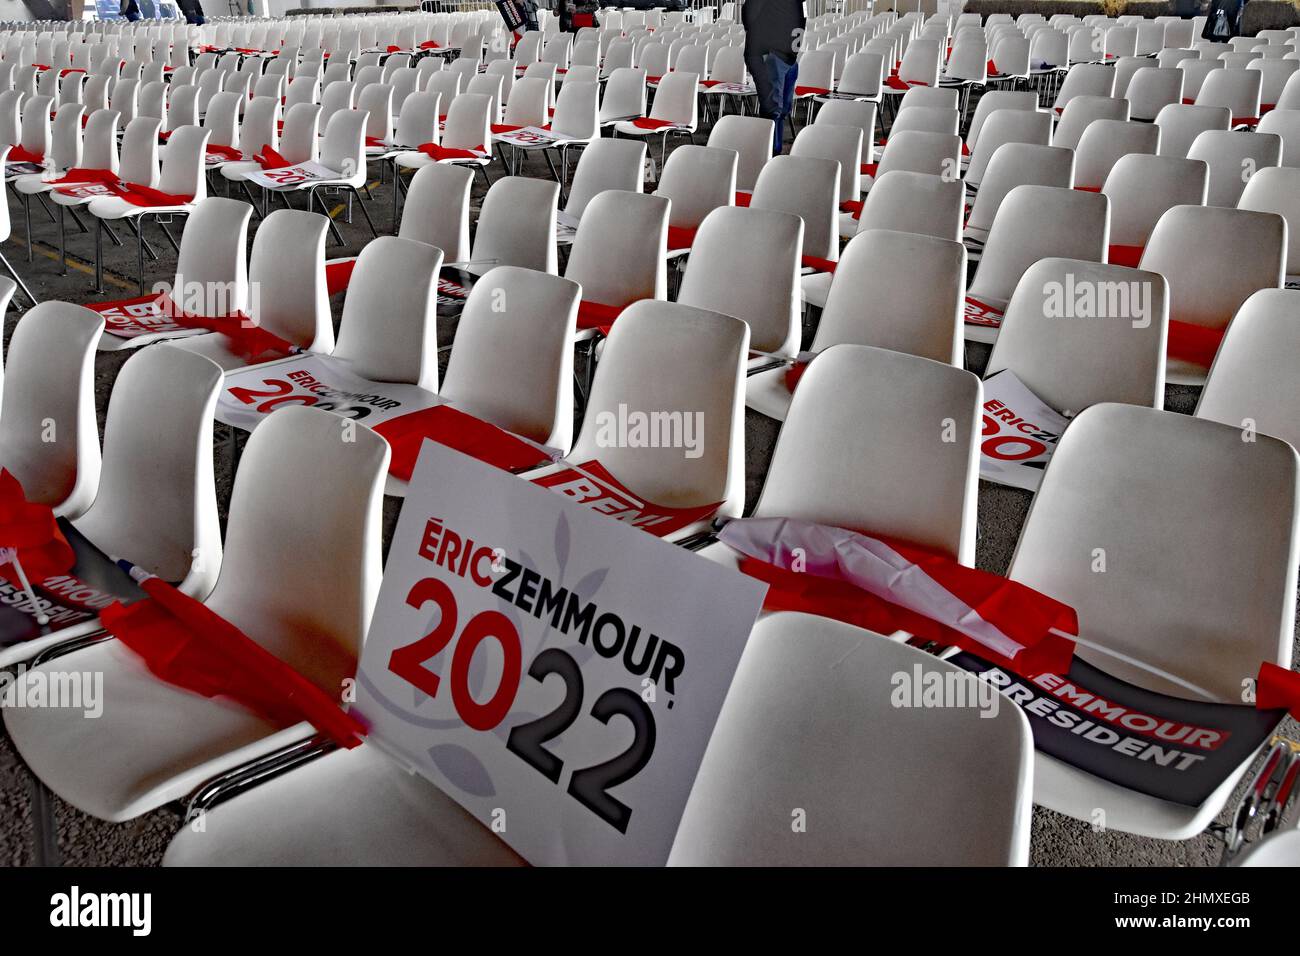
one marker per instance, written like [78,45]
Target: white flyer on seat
[297,175]
[732,89]
[250,394]
[1020,433]
[530,137]
[556,672]
[566,227]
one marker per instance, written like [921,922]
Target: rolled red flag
[187,644]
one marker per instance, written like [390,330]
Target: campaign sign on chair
[299,175]
[554,671]
[250,394]
[1019,433]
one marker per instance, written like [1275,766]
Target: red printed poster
[591,485]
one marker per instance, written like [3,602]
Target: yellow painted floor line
[334,213]
[75,263]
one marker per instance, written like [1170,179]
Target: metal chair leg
[27,219]
[365,212]
[18,279]
[45,842]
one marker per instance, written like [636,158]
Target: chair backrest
[436,209]
[512,363]
[1019,164]
[1277,190]
[528,103]
[1082,111]
[287,274]
[921,490]
[751,138]
[1187,237]
[66,136]
[260,126]
[577,110]
[1035,222]
[1238,90]
[1151,89]
[745,262]
[343,147]
[804,678]
[156,502]
[1080,333]
[698,180]
[36,125]
[1286,124]
[298,140]
[1085,79]
[898,292]
[388,332]
[222,119]
[183,163]
[919,203]
[676,99]
[1141,188]
[376,100]
[303,566]
[808,187]
[49,382]
[842,144]
[1137,485]
[1181,123]
[664,356]
[1233,158]
[618,253]
[469,119]
[1006,126]
[606,164]
[1253,385]
[1105,142]
[516,225]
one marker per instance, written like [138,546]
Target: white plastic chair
[751,138]
[892,290]
[1277,190]
[1209,625]
[516,226]
[1185,238]
[1105,142]
[1016,164]
[1035,222]
[1142,188]
[159,742]
[49,378]
[866,789]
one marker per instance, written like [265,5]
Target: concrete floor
[84,841]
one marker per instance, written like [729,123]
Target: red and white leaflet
[85,190]
[591,485]
[566,228]
[982,314]
[530,137]
[293,175]
[250,394]
[522,657]
[146,315]
[732,89]
[1019,434]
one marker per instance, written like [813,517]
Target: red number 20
[408,661]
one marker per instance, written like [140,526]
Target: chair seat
[31,184]
[1278,849]
[349,808]
[816,288]
[628,128]
[154,743]
[237,171]
[1075,793]
[215,346]
[767,394]
[111,207]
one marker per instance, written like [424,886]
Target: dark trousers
[774,79]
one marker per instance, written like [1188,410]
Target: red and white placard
[529,137]
[296,175]
[250,394]
[982,314]
[556,673]
[143,319]
[1020,433]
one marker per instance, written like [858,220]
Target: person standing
[773,33]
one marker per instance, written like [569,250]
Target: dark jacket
[1232,10]
[773,26]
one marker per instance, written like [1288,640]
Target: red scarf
[32,532]
[187,644]
[455,429]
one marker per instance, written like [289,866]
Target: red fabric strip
[810,91]
[1277,688]
[449,152]
[19,155]
[744,199]
[793,374]
[596,315]
[647,123]
[455,429]
[186,644]
[595,487]
[268,158]
[1124,255]
[32,530]
[1193,343]
[819,265]
[338,275]
[681,237]
[225,152]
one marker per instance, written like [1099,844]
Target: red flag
[30,532]
[187,644]
[455,429]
